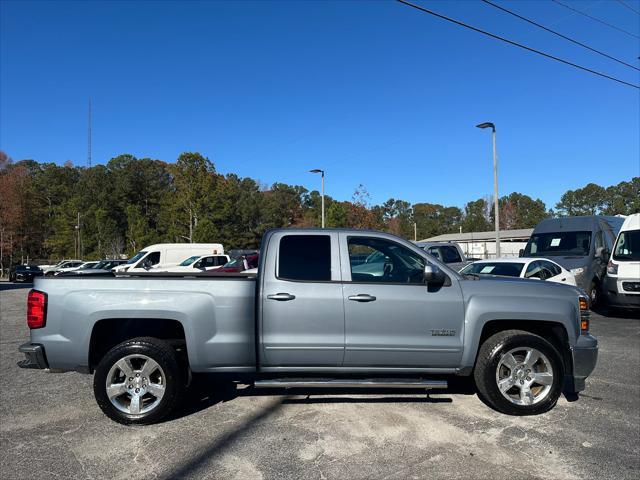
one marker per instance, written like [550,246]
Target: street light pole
[495,183]
[321,172]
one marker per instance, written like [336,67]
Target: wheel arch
[109,332]
[554,332]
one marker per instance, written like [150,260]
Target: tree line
[50,211]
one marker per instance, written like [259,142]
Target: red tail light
[36,309]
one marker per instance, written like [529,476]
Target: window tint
[533,270]
[305,257]
[385,262]
[560,243]
[494,268]
[220,260]
[628,246]
[450,254]
[552,267]
[153,258]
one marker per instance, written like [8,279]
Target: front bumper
[584,356]
[617,296]
[34,356]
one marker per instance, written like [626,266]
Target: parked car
[447,252]
[622,283]
[103,267]
[307,321]
[166,255]
[198,263]
[82,266]
[533,268]
[24,273]
[582,245]
[240,264]
[51,269]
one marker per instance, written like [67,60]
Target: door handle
[281,297]
[362,297]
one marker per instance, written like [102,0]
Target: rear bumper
[584,356]
[34,356]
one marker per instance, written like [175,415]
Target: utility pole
[317,170]
[415,232]
[495,183]
[89,143]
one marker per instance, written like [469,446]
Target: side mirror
[601,252]
[433,274]
[521,252]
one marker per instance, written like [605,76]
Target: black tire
[174,379]
[485,374]
[594,294]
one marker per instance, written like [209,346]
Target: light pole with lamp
[495,183]
[317,170]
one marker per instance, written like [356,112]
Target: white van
[166,255]
[622,283]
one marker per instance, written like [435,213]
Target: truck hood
[508,286]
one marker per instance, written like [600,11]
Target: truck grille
[631,286]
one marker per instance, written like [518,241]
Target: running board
[349,383]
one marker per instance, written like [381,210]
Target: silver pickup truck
[314,317]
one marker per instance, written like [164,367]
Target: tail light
[585,314]
[36,309]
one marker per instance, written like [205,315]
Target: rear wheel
[594,293]
[519,373]
[139,381]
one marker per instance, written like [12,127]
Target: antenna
[89,149]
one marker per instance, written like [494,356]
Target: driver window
[152,259]
[383,261]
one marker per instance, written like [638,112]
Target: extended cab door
[392,318]
[302,317]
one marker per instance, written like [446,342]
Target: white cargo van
[164,255]
[622,283]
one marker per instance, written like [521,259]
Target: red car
[240,264]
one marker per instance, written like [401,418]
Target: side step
[349,383]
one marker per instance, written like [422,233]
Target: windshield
[560,243]
[628,246]
[136,257]
[189,261]
[236,262]
[494,268]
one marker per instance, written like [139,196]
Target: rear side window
[305,257]
[450,255]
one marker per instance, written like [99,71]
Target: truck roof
[577,224]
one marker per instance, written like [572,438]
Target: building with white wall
[483,244]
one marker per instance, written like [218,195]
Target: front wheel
[139,381]
[519,373]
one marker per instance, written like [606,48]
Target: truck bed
[216,312]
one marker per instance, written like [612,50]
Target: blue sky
[376,93]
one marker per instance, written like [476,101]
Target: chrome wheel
[524,376]
[135,384]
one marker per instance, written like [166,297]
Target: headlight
[612,268]
[577,271]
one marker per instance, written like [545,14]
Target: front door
[392,318]
[302,308]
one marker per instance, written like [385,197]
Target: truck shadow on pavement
[14,286]
[204,392]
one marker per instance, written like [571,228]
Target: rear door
[392,318]
[302,308]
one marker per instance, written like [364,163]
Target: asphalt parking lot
[50,427]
